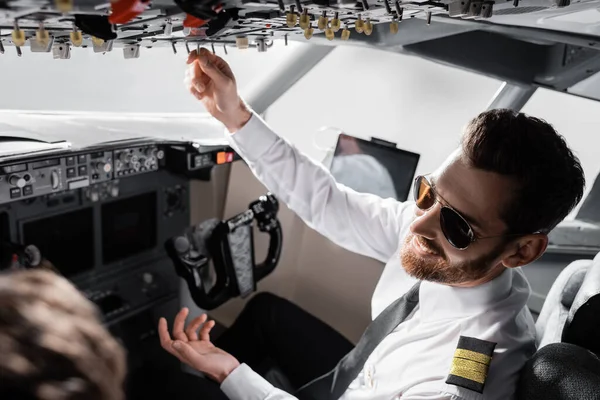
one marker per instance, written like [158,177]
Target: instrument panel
[99,171]
[56,26]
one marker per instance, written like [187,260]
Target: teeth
[425,249]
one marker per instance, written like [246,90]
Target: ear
[529,249]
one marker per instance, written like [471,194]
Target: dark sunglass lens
[424,196]
[455,228]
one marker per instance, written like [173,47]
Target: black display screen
[128,227]
[370,167]
[4,227]
[66,240]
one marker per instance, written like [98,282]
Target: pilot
[450,316]
[52,344]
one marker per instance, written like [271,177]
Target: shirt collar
[438,301]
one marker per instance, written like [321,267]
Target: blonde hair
[52,344]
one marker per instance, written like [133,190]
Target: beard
[440,269]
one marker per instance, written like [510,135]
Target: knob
[329,34]
[94,196]
[336,24]
[103,167]
[345,34]
[125,157]
[17,181]
[150,162]
[113,191]
[18,37]
[359,24]
[54,180]
[160,155]
[76,38]
[304,19]
[368,27]
[182,245]
[148,278]
[308,33]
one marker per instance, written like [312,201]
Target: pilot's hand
[195,349]
[210,80]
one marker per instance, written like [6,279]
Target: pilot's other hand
[195,348]
[210,79]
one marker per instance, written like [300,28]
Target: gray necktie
[332,385]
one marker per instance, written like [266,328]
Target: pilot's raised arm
[362,223]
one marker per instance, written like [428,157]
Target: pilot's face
[479,196]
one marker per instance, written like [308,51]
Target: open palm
[195,348]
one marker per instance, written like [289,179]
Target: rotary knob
[182,245]
[17,181]
[148,278]
[103,167]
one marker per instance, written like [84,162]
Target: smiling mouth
[423,247]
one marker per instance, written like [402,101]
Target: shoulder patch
[471,362]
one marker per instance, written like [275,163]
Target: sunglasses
[456,229]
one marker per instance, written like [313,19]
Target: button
[28,190]
[119,173]
[82,170]
[71,173]
[81,159]
[95,176]
[70,161]
[15,192]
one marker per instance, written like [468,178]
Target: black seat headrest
[582,327]
[560,371]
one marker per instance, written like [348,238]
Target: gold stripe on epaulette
[467,369]
[473,356]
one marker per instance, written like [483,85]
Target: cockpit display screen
[66,240]
[128,227]
[373,167]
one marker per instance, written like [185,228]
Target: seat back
[567,366]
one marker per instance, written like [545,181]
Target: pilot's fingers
[192,56]
[198,95]
[165,339]
[191,330]
[214,59]
[205,331]
[210,68]
[179,323]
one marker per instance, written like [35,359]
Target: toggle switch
[368,27]
[64,6]
[336,24]
[42,37]
[308,33]
[304,19]
[329,33]
[323,20]
[345,33]
[18,36]
[359,25]
[76,37]
[291,17]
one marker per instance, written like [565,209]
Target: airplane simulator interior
[125,218]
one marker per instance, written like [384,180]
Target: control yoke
[230,246]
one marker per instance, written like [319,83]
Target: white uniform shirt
[413,362]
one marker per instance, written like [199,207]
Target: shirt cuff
[253,139]
[245,384]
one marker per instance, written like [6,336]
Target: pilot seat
[567,363]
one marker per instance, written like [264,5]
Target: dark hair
[52,344]
[548,176]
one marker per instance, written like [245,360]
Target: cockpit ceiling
[56,26]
